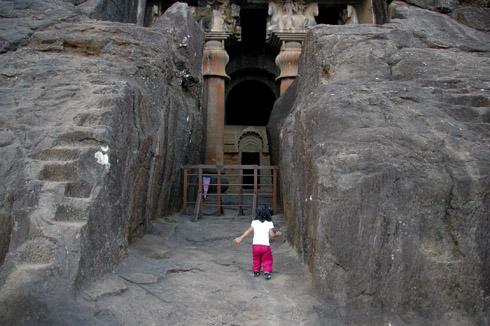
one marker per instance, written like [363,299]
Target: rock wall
[124,11]
[473,13]
[96,120]
[383,149]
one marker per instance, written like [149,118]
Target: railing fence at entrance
[240,187]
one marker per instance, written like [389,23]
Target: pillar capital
[288,58]
[287,24]
[215,57]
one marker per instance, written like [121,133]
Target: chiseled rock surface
[444,6]
[385,161]
[475,17]
[121,10]
[96,120]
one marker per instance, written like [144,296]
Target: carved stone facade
[283,24]
[291,16]
[218,16]
[349,16]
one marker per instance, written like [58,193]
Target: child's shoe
[256,274]
[268,276]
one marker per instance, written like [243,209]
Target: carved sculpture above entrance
[291,16]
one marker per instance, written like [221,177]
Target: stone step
[73,226]
[471,100]
[59,172]
[58,154]
[93,117]
[83,136]
[39,251]
[78,189]
[72,210]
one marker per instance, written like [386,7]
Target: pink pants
[262,255]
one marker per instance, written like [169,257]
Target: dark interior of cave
[249,103]
[329,14]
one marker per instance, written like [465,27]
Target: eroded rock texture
[383,146]
[96,120]
[475,17]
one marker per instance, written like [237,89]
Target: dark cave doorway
[249,103]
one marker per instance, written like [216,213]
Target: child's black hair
[263,214]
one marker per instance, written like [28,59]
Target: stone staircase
[66,175]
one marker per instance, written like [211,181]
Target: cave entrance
[251,91]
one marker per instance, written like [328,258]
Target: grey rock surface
[443,6]
[475,17]
[106,286]
[383,146]
[206,279]
[95,124]
[123,11]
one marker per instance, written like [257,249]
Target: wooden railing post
[255,180]
[218,193]
[240,208]
[256,197]
[274,190]
[186,181]
[199,198]
[200,180]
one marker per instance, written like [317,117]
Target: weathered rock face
[475,17]
[96,120]
[444,6]
[385,165]
[123,11]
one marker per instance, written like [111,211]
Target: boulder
[382,143]
[475,17]
[123,11]
[443,6]
[97,120]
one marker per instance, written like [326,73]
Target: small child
[262,228]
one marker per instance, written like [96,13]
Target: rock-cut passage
[186,273]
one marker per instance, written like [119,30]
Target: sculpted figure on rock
[348,16]
[218,16]
[291,16]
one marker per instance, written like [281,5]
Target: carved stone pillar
[287,61]
[215,59]
[140,15]
[286,27]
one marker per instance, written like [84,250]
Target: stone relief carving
[218,16]
[291,16]
[348,16]
[250,140]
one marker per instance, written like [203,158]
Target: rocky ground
[191,273]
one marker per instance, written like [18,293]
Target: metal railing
[241,187]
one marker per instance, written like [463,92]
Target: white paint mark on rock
[102,159]
[105,149]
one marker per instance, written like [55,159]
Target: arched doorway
[251,148]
